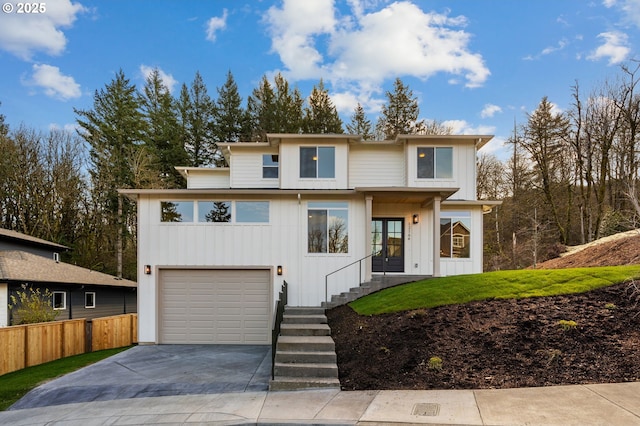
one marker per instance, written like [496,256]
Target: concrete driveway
[162,370]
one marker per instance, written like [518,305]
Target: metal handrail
[326,277]
[277,321]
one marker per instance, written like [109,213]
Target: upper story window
[270,166]
[435,162]
[176,211]
[317,162]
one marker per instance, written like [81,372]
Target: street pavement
[173,385]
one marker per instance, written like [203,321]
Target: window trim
[64,300]
[86,305]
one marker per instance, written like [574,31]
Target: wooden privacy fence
[27,345]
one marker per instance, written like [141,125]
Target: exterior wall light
[279,270]
[147,269]
[416,219]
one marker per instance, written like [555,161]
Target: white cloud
[365,48]
[167,79]
[54,83]
[630,10]
[216,24]
[615,48]
[68,128]
[490,110]
[25,34]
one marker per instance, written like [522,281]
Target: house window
[455,235]
[269,166]
[214,211]
[318,162]
[435,163]
[90,299]
[252,211]
[176,211]
[59,300]
[328,227]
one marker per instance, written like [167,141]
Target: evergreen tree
[230,117]
[359,124]
[162,133]
[321,116]
[114,130]
[400,114]
[274,109]
[196,111]
[4,128]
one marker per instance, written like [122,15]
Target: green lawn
[499,285]
[14,385]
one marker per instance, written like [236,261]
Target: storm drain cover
[427,409]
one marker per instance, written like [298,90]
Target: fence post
[88,335]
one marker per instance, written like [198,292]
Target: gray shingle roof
[14,235]
[16,265]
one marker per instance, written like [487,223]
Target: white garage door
[214,306]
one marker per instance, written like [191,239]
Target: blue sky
[475,65]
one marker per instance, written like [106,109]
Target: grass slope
[15,385]
[518,284]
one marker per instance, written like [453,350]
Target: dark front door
[387,236]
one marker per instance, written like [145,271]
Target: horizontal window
[176,211]
[252,211]
[214,211]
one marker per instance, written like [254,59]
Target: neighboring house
[213,256]
[77,292]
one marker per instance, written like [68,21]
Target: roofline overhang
[134,193]
[478,140]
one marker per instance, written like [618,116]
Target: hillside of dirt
[592,337]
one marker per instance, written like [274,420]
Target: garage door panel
[214,306]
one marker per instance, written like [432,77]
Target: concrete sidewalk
[601,404]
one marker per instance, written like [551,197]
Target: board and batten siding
[208,178]
[4,302]
[246,170]
[464,176]
[369,166]
[236,246]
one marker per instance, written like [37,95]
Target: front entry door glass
[387,236]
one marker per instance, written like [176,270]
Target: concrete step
[304,330]
[302,357]
[304,319]
[307,370]
[297,383]
[303,310]
[305,344]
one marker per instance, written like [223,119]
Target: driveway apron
[159,370]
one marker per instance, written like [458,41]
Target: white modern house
[298,208]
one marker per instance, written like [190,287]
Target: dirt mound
[619,249]
[592,337]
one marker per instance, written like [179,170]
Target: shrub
[435,363]
[32,305]
[567,325]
